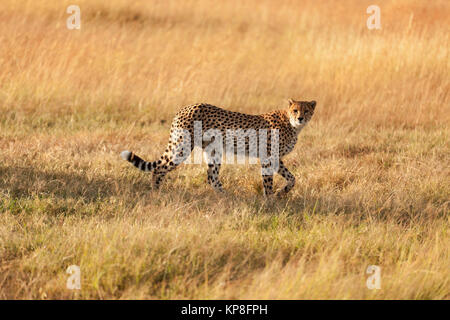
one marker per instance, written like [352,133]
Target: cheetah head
[300,112]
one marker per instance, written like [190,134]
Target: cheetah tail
[137,161]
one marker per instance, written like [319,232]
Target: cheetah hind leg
[174,155]
[214,162]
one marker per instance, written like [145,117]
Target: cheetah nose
[300,119]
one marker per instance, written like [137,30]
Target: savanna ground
[372,167]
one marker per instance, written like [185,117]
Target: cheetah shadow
[30,182]
[27,182]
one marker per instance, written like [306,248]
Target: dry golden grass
[372,167]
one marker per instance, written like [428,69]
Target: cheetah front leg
[267,177]
[288,176]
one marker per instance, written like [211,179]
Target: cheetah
[277,129]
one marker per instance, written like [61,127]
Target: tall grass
[372,167]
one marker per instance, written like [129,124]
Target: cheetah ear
[291,102]
[313,104]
